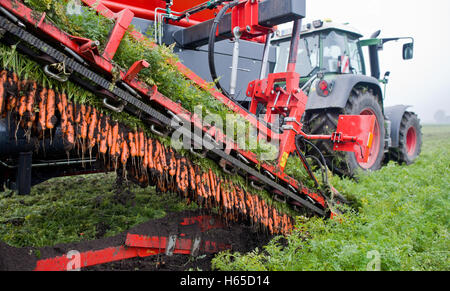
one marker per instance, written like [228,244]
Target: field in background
[402,223]
[72,209]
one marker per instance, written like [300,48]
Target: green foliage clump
[403,221]
[73,209]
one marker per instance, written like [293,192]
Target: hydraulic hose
[323,164]
[212,42]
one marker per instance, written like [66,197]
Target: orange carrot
[99,129]
[192,176]
[266,214]
[146,156]
[183,174]
[42,108]
[84,122]
[197,184]
[151,163]
[271,226]
[141,144]
[92,128]
[163,158]
[115,136]
[77,113]
[70,132]
[172,163]
[30,104]
[177,173]
[3,79]
[218,192]
[136,142]
[131,139]
[63,112]
[50,115]
[104,135]
[125,153]
[58,101]
[109,136]
[22,105]
[212,179]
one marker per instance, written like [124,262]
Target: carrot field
[401,222]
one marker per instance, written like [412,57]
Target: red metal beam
[92,258]
[148,13]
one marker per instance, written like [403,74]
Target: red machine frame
[142,246]
[277,100]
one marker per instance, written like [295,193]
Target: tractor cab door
[341,53]
[335,53]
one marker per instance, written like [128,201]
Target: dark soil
[240,237]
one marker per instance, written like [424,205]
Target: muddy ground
[239,236]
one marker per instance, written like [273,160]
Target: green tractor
[334,76]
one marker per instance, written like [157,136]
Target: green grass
[403,219]
[72,209]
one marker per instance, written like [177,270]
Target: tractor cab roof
[319,26]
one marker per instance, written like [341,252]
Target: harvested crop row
[145,160]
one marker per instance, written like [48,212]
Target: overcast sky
[423,82]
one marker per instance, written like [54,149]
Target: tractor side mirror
[386,77]
[408,51]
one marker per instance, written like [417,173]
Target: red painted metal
[356,133]
[182,246]
[376,148]
[135,69]
[245,16]
[139,246]
[92,258]
[411,141]
[289,102]
[205,222]
[122,22]
[146,9]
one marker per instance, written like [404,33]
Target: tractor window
[307,59]
[334,47]
[355,56]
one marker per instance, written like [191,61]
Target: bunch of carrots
[145,160]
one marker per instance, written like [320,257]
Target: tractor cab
[333,49]
[325,47]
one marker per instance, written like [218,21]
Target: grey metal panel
[198,35]
[247,49]
[395,115]
[270,13]
[277,12]
[197,61]
[343,86]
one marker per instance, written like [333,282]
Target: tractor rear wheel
[362,101]
[410,139]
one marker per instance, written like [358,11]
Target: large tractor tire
[410,140]
[362,101]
